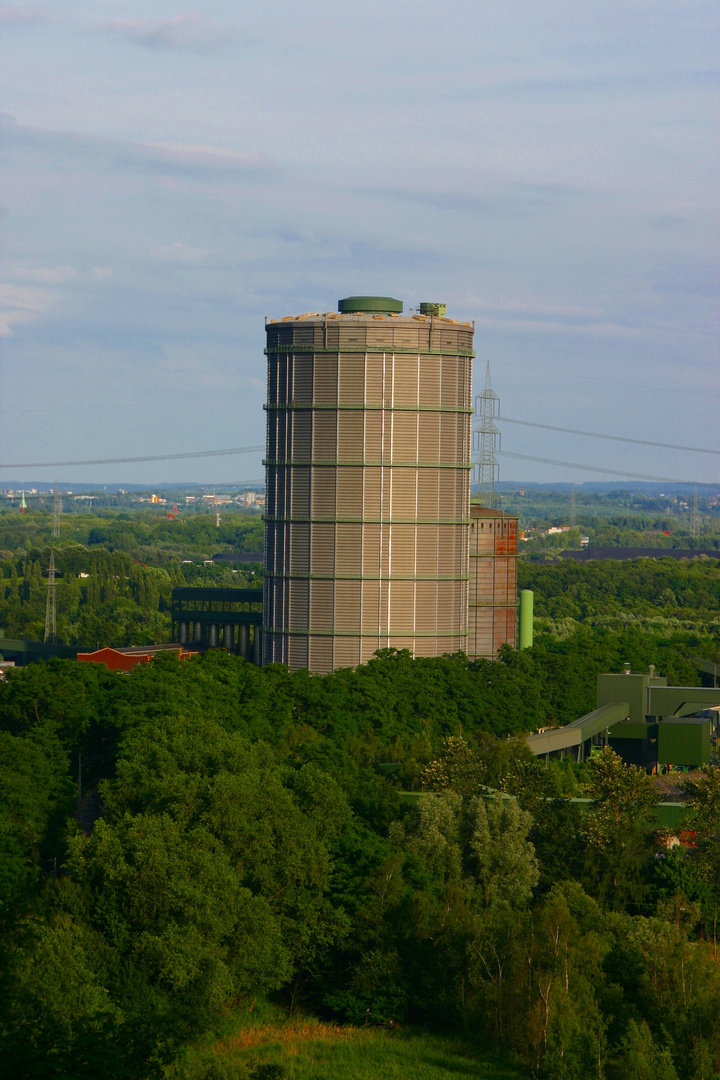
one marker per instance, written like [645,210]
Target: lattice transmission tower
[57,511]
[695,516]
[50,611]
[486,443]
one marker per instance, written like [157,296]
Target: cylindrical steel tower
[368,474]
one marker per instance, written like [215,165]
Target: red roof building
[126,659]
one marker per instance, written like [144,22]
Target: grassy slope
[309,1050]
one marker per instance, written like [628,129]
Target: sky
[172,175]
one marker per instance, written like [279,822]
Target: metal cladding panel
[405,381]
[324,435]
[297,652]
[351,371]
[429,381]
[321,602]
[368,479]
[346,652]
[302,379]
[325,389]
[349,494]
[684,741]
[631,688]
[320,653]
[666,700]
[324,480]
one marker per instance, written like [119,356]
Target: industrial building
[368,472]
[492,615]
[125,659]
[648,723]
[212,617]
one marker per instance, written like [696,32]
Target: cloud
[592,329]
[198,153]
[47,275]
[536,307]
[23,16]
[115,155]
[508,202]
[180,253]
[181,33]
[21,304]
[101,272]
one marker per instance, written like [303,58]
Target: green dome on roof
[370,305]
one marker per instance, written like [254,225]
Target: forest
[375,847]
[213,871]
[116,569]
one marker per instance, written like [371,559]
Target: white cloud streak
[20,304]
[181,33]
[47,275]
[92,151]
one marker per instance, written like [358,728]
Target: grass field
[309,1050]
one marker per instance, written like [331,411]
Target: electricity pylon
[695,516]
[57,510]
[573,518]
[50,612]
[486,442]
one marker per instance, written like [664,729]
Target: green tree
[502,861]
[703,788]
[642,1058]
[458,768]
[618,829]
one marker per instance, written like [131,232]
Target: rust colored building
[493,581]
[126,659]
[368,470]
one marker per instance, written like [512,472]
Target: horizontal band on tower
[358,463]
[293,406]
[294,575]
[360,634]
[491,604]
[278,520]
[492,555]
[364,350]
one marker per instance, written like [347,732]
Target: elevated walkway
[24,652]
[580,731]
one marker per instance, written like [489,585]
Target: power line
[128,460]
[625,473]
[612,438]
[123,404]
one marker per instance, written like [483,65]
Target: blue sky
[172,175]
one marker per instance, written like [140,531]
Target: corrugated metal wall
[368,488]
[493,582]
[684,741]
